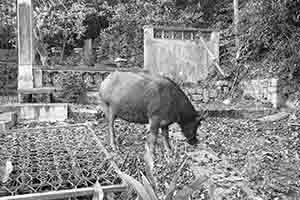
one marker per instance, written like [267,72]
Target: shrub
[73,88]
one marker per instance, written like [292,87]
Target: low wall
[198,93]
[265,90]
[205,93]
[272,91]
[202,94]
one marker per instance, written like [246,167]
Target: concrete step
[4,125]
[39,111]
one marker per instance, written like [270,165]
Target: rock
[227,101]
[213,93]
[222,83]
[197,97]
[205,96]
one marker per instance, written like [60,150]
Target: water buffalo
[143,98]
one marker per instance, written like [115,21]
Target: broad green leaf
[136,185]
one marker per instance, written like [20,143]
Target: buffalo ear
[199,119]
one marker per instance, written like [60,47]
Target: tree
[124,37]
[61,23]
[94,23]
[8,24]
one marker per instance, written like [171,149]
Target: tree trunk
[236,26]
[62,54]
[88,55]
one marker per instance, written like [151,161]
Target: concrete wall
[180,52]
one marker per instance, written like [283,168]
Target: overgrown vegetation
[8,78]
[269,30]
[270,36]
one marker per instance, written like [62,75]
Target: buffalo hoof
[194,141]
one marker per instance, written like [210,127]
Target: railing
[63,194]
[178,33]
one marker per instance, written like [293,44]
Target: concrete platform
[39,111]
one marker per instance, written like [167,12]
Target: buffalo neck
[187,115]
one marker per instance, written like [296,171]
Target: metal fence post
[98,193]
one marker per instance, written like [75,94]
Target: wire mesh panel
[51,159]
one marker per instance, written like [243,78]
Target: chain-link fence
[53,159]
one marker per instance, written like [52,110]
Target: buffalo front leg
[152,138]
[151,143]
[111,120]
[165,133]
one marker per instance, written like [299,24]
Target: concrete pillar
[148,37]
[214,45]
[25,44]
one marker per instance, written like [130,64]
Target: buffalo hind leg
[151,142]
[165,133]
[150,149]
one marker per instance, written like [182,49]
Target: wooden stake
[236,26]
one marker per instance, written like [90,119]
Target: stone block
[8,116]
[41,111]
[44,112]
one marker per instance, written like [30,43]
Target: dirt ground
[239,158]
[265,156]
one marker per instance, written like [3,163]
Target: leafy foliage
[124,37]
[268,30]
[94,24]
[8,24]
[62,23]
[8,78]
[144,189]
